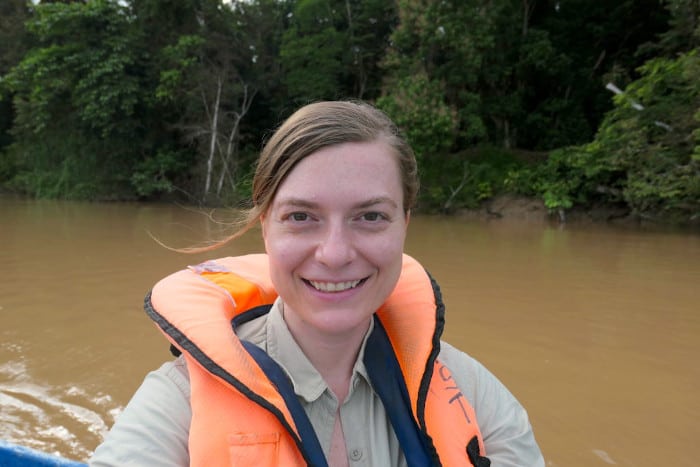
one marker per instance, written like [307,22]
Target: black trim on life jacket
[250,315]
[185,343]
[474,453]
[430,366]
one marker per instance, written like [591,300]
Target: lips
[334,287]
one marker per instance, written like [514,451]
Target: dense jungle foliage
[582,103]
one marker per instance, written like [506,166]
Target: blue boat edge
[14,455]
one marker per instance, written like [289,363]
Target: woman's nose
[335,248]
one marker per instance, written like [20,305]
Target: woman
[326,350]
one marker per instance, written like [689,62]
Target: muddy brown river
[596,329]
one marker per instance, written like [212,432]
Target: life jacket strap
[310,446]
[389,384]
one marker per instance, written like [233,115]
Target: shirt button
[356,455]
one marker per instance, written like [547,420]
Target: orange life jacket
[243,415]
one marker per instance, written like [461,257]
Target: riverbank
[523,209]
[506,207]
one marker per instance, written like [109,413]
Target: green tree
[444,42]
[432,91]
[13,37]
[368,25]
[660,158]
[311,51]
[213,77]
[646,153]
[165,162]
[522,74]
[332,48]
[13,44]
[417,105]
[599,43]
[683,33]
[77,94]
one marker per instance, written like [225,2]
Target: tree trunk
[232,143]
[528,9]
[361,83]
[214,136]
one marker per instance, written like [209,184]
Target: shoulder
[176,372]
[154,424]
[466,370]
[504,423]
[170,381]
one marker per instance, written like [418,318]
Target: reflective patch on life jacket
[208,266]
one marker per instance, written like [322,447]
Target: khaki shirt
[153,428]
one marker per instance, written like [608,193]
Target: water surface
[596,329]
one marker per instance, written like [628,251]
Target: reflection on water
[50,419]
[595,329]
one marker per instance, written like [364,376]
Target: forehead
[354,168]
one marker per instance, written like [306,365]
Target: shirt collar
[306,380]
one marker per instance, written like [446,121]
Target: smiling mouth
[334,286]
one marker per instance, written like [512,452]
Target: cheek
[388,248]
[281,267]
[285,252]
[278,253]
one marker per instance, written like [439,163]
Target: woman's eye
[298,216]
[372,216]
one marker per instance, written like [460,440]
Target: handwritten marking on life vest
[456,393]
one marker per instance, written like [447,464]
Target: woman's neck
[333,355]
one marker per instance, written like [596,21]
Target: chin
[340,325]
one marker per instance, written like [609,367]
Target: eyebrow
[378,200]
[297,202]
[304,203]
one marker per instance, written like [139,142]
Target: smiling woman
[335,247]
[325,350]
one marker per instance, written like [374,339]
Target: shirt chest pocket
[254,449]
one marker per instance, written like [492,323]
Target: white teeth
[333,286]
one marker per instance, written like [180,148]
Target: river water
[596,329]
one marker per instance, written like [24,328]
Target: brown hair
[316,126]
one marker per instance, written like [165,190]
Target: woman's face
[334,234]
